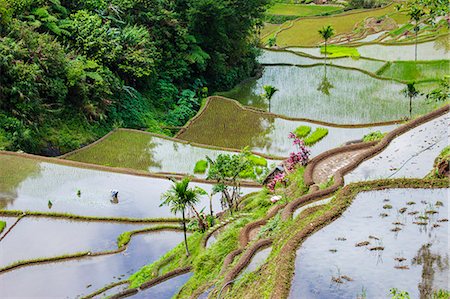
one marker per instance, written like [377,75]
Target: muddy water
[138,196]
[80,277]
[337,95]
[257,261]
[329,265]
[38,237]
[409,155]
[166,289]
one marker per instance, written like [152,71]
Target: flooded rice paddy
[73,278]
[55,237]
[141,151]
[386,239]
[333,95]
[409,155]
[257,261]
[433,50]
[224,123]
[280,57]
[166,289]
[138,197]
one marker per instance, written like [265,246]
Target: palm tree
[326,32]
[411,92]
[179,197]
[269,92]
[415,13]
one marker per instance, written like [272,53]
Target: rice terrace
[224,149]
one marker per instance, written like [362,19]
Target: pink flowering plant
[278,179]
[300,156]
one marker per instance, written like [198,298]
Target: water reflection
[139,196]
[409,155]
[53,237]
[152,154]
[80,277]
[271,140]
[325,85]
[356,97]
[166,289]
[364,250]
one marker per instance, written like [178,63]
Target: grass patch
[316,136]
[258,161]
[401,30]
[302,10]
[340,51]
[412,71]
[302,131]
[373,136]
[201,166]
[2,226]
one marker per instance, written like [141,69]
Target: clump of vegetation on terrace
[373,136]
[316,136]
[2,226]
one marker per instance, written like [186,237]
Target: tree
[415,14]
[269,91]
[228,170]
[441,93]
[326,32]
[411,92]
[180,197]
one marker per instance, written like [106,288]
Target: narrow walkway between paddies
[325,169]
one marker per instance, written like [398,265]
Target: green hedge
[258,161]
[302,131]
[201,166]
[316,136]
[2,226]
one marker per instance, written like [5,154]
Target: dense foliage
[72,70]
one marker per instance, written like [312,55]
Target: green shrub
[340,51]
[316,136]
[257,160]
[123,239]
[2,226]
[302,131]
[201,166]
[373,136]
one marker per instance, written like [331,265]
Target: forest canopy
[72,70]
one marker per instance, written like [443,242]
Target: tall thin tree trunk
[415,48]
[201,223]
[410,107]
[185,237]
[210,205]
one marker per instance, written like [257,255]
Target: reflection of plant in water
[397,294]
[363,294]
[13,171]
[325,86]
[428,259]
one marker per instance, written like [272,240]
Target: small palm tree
[411,92]
[269,91]
[415,13]
[179,197]
[326,32]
